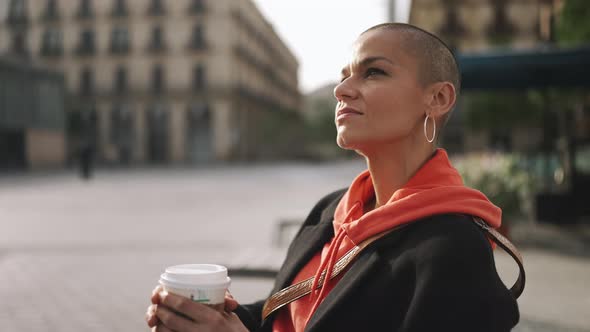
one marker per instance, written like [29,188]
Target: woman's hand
[170,312]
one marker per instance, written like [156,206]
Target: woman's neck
[391,169]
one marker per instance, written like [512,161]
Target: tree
[573,26]
[503,109]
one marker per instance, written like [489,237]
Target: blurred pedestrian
[428,265]
[86,156]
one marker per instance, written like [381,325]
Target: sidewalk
[84,256]
[573,240]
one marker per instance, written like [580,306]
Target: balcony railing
[17,20]
[157,47]
[50,16]
[51,51]
[86,50]
[117,48]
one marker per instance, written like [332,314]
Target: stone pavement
[84,256]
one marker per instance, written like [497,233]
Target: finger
[228,294]
[150,316]
[161,328]
[174,321]
[193,310]
[156,294]
[230,304]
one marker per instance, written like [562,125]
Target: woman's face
[380,99]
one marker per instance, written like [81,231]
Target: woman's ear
[442,98]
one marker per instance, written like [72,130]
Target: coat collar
[307,243]
[362,268]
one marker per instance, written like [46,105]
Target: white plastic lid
[195,276]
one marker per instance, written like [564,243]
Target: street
[84,256]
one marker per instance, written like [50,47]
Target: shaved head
[436,62]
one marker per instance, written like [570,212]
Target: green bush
[503,178]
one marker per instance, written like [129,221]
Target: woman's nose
[345,90]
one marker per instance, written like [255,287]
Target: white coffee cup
[203,283]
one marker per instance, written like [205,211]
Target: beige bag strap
[303,288]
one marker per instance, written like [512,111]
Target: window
[582,159]
[19,46]
[51,44]
[199,77]
[198,113]
[501,29]
[120,8]
[197,7]
[452,27]
[158,82]
[86,44]
[157,42]
[199,136]
[198,40]
[85,9]
[86,82]
[120,84]
[157,132]
[120,40]
[17,12]
[156,8]
[18,8]
[121,125]
[51,11]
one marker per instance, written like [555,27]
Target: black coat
[437,274]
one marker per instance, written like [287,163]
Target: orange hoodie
[436,188]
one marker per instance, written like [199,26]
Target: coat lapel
[309,241]
[306,244]
[358,271]
[354,277]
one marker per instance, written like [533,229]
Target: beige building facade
[32,119]
[160,80]
[478,25]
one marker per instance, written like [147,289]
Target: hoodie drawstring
[330,261]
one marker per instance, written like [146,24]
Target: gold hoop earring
[430,140]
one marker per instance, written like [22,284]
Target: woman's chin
[347,143]
[350,138]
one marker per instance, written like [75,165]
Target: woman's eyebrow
[366,62]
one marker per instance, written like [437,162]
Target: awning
[526,69]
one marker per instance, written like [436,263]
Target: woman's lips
[347,112]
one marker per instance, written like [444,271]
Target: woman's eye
[343,78]
[374,71]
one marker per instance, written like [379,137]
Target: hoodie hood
[436,188]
